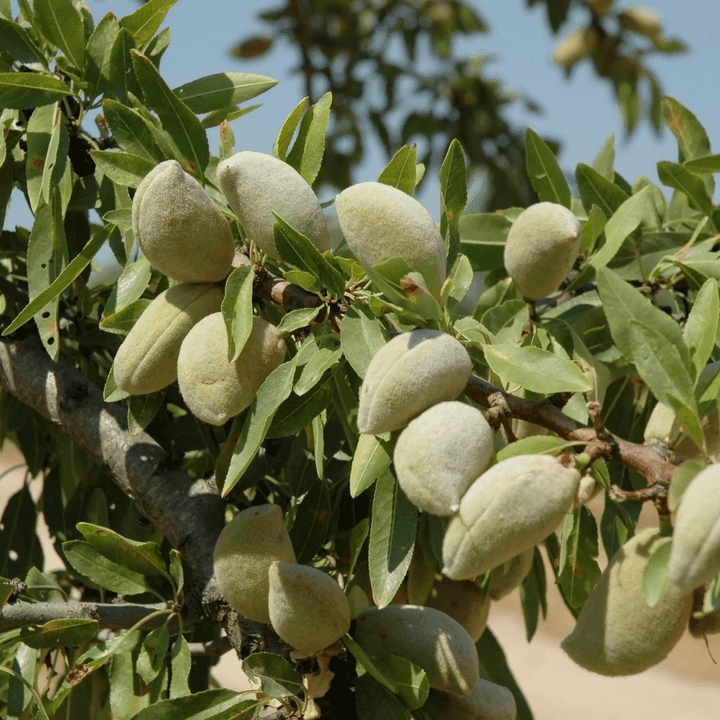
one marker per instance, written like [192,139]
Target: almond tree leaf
[296,319]
[222,89]
[145,21]
[16,40]
[20,547]
[368,663]
[705,164]
[309,147]
[373,701]
[178,120]
[701,326]
[400,171]
[30,90]
[392,538]
[691,185]
[597,190]
[60,22]
[141,557]
[544,172]
[625,219]
[132,131]
[579,569]
[122,168]
[180,666]
[372,457]
[605,159]
[278,678]
[151,657]
[298,411]
[535,369]
[97,56]
[122,82]
[453,197]
[482,239]
[216,704]
[103,572]
[534,445]
[655,580]
[285,136]
[681,478]
[237,309]
[361,336]
[66,632]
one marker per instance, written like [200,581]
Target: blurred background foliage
[397,78]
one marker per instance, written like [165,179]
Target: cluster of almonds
[181,335]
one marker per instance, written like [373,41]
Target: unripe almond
[179,228]
[487,701]
[147,359]
[440,453]
[254,539]
[617,632]
[308,609]
[512,507]
[215,389]
[642,21]
[510,574]
[579,44]
[425,636]
[409,374]
[380,222]
[256,185]
[541,247]
[463,601]
[695,554]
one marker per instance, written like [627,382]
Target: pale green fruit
[380,222]
[308,609]
[617,632]
[409,374]
[256,185]
[213,388]
[642,21]
[509,509]
[179,228]
[588,488]
[463,601]
[254,539]
[487,701]
[510,574]
[147,359]
[541,248]
[695,554]
[579,44]
[425,636]
[440,453]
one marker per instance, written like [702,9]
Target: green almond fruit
[246,548]
[487,701]
[617,632]
[409,374]
[179,228]
[215,389]
[508,576]
[380,222]
[147,359]
[425,636]
[541,247]
[695,553]
[440,453]
[463,601]
[256,185]
[509,509]
[307,608]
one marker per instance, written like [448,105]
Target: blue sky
[580,112]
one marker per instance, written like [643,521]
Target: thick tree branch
[115,616]
[188,511]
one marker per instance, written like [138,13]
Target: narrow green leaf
[534,445]
[63,280]
[56,157]
[145,21]
[298,411]
[60,22]
[227,140]
[372,457]
[129,287]
[375,702]
[392,538]
[142,409]
[683,475]
[681,179]
[270,396]
[625,219]
[282,142]
[122,82]
[132,131]
[309,147]
[357,540]
[180,122]
[278,678]
[410,680]
[544,172]
[361,336]
[122,168]
[237,309]
[453,197]
[105,573]
[111,392]
[597,190]
[535,369]
[97,56]
[312,522]
[579,569]
[691,136]
[314,370]
[705,164]
[400,171]
[20,548]
[605,159]
[701,326]
[296,319]
[16,40]
[655,580]
[67,632]
[180,666]
[222,89]
[216,704]
[39,131]
[482,239]
[141,557]
[368,663]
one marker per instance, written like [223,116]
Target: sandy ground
[685,686]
